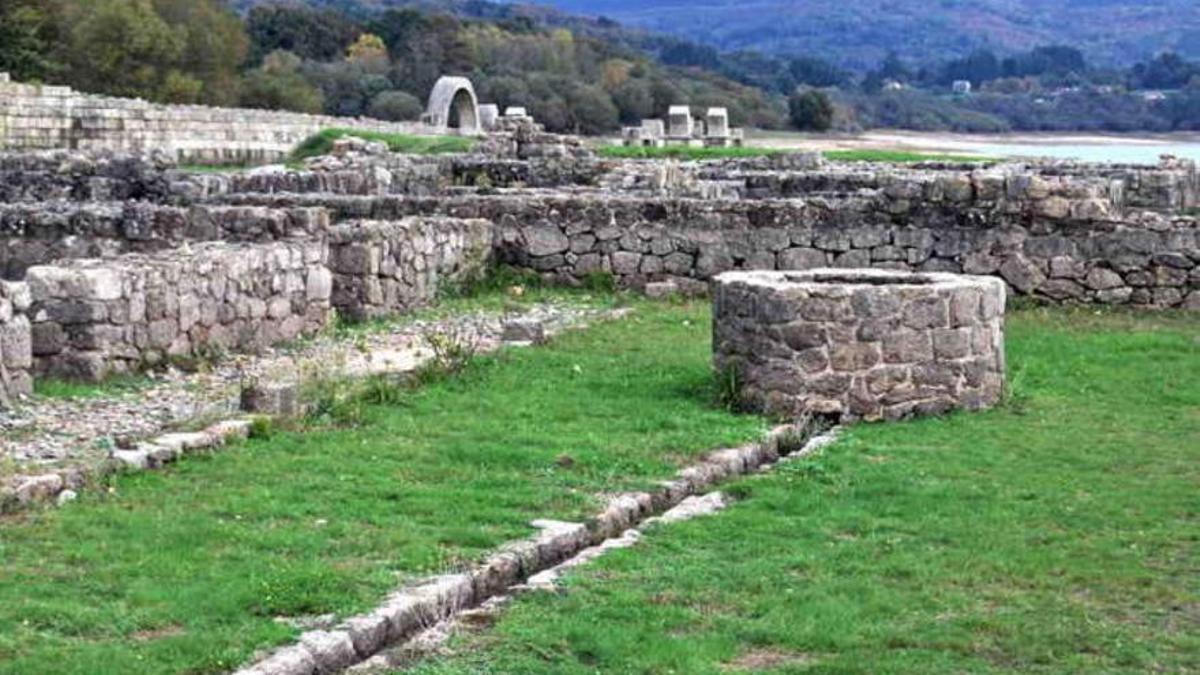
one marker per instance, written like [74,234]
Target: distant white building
[962,86]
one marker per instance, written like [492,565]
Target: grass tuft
[55,388]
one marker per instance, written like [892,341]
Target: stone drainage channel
[418,617]
[61,446]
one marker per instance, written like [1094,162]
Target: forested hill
[859,33]
[591,75]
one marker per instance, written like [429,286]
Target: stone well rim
[824,278]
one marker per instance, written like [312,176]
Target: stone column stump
[859,344]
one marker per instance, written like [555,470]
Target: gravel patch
[56,434]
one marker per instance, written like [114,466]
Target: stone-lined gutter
[423,604]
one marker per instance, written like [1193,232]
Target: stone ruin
[682,129]
[114,262]
[859,344]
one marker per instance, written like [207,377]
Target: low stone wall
[94,318]
[859,344]
[16,350]
[383,268]
[38,117]
[1172,185]
[78,176]
[1142,259]
[1045,188]
[39,234]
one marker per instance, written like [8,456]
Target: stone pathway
[51,434]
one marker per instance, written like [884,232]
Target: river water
[1134,153]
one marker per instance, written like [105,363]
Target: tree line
[382,64]
[574,74]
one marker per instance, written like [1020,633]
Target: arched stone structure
[453,106]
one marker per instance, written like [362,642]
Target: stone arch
[453,106]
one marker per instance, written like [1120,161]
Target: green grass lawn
[1058,533]
[184,570]
[696,154]
[322,143]
[901,156]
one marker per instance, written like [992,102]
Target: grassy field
[1058,533]
[900,156]
[697,154]
[322,143]
[185,570]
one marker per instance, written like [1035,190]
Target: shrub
[811,110]
[394,105]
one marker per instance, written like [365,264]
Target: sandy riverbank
[1106,147]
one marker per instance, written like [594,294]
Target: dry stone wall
[1144,259]
[96,176]
[381,268]
[38,234]
[1031,190]
[94,318]
[38,117]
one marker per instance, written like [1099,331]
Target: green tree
[591,109]
[215,46]
[27,39]
[303,31]
[635,100]
[395,106]
[123,47]
[278,85]
[811,110]
[505,91]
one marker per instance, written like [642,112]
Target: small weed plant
[453,349]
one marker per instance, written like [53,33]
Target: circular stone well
[859,344]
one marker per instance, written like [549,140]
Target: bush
[811,110]
[395,106]
[279,85]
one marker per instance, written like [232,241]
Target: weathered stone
[1100,279]
[1022,274]
[521,330]
[801,259]
[801,351]
[545,240]
[39,488]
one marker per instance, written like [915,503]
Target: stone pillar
[16,346]
[488,114]
[679,122]
[717,121]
